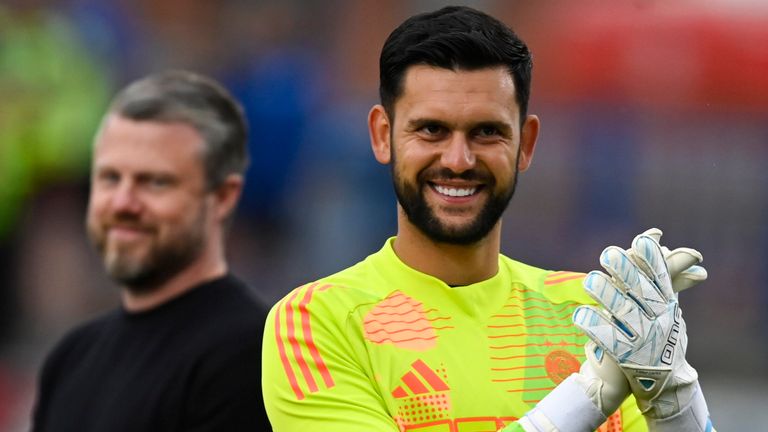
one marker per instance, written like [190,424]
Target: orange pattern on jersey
[423,397]
[560,365]
[533,343]
[562,276]
[300,343]
[402,321]
[613,424]
[433,423]
[413,381]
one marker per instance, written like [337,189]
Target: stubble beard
[147,272]
[414,203]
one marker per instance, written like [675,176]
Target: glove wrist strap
[567,408]
[693,418]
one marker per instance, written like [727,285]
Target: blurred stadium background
[654,114]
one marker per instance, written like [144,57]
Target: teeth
[455,192]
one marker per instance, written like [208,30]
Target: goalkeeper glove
[606,384]
[586,398]
[642,329]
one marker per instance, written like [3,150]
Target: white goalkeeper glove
[585,399]
[642,329]
[607,385]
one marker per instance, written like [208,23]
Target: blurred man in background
[438,331]
[182,352]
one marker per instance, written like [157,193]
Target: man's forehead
[431,91]
[126,142]
[116,124]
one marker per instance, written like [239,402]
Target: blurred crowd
[653,115]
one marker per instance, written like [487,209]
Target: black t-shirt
[191,364]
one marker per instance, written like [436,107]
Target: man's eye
[159,182]
[432,129]
[487,131]
[108,177]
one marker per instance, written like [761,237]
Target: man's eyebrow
[159,173]
[420,122]
[143,172]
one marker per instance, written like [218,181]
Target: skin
[157,227]
[460,121]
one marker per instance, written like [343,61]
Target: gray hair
[190,98]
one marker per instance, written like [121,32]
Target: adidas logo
[420,379]
[422,397]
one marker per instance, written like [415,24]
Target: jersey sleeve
[314,376]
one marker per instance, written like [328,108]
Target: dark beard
[415,206]
[160,266]
[161,263]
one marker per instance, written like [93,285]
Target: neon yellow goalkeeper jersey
[382,347]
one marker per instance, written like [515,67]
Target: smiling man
[455,143]
[182,352]
[477,141]
[438,331]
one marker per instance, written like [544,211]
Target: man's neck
[456,265]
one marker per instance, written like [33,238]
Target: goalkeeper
[438,331]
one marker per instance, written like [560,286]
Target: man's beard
[162,260]
[417,209]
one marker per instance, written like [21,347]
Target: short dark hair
[454,37]
[193,99]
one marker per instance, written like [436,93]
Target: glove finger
[689,277]
[654,233]
[682,264]
[601,288]
[593,352]
[648,256]
[620,267]
[607,332]
[680,259]
[628,277]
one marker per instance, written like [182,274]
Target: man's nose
[457,156]
[125,198]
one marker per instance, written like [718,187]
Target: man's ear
[529,133]
[227,195]
[379,128]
